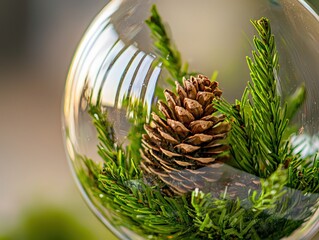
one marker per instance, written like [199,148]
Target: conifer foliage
[154,185]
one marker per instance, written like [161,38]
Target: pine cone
[187,138]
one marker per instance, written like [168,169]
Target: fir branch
[266,218]
[304,174]
[114,157]
[132,203]
[268,117]
[258,120]
[169,56]
[105,133]
[144,210]
[221,218]
[136,112]
[272,191]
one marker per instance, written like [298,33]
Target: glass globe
[153,162]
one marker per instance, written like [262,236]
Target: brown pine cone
[185,139]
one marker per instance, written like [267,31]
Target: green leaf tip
[295,101]
[262,26]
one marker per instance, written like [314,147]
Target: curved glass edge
[99,21]
[312,9]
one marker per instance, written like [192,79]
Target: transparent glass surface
[116,59]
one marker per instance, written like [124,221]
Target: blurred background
[38,197]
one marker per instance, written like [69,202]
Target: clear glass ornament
[116,68]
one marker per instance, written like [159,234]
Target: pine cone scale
[181,92]
[171,99]
[205,98]
[210,109]
[146,144]
[183,115]
[199,139]
[183,163]
[186,148]
[200,126]
[159,122]
[194,107]
[202,160]
[168,137]
[190,89]
[178,127]
[152,134]
[168,113]
[170,154]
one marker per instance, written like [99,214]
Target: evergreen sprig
[117,184]
[272,191]
[113,155]
[258,120]
[251,218]
[168,54]
[259,144]
[304,174]
[136,112]
[144,210]
[134,205]
[221,218]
